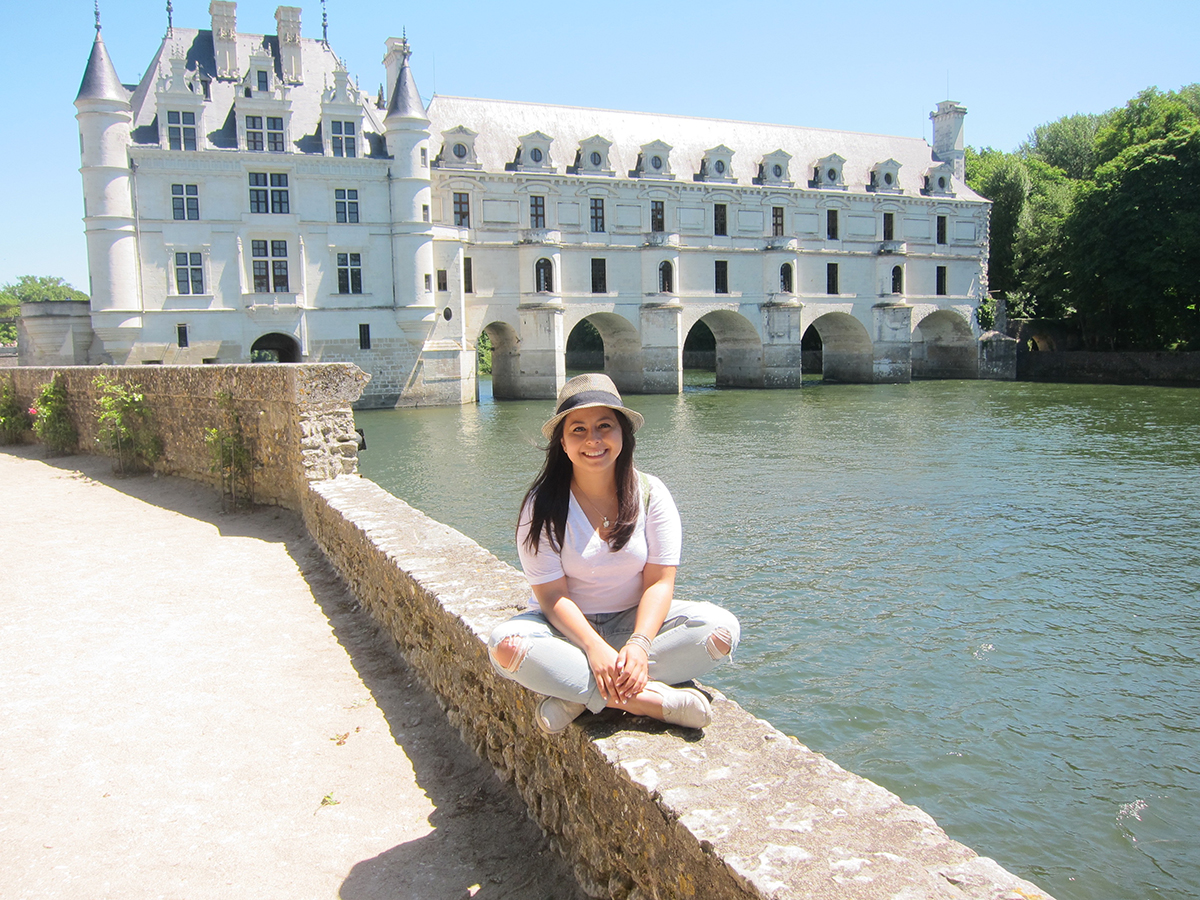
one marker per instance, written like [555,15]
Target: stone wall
[296,418]
[640,809]
[1148,367]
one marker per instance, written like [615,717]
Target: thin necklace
[582,496]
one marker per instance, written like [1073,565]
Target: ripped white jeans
[694,637]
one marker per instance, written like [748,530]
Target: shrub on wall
[230,456]
[124,420]
[14,418]
[51,418]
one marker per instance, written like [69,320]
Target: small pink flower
[33,410]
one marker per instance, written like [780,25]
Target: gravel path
[193,707]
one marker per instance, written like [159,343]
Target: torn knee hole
[510,653]
[719,643]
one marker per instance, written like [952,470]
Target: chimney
[948,136]
[224,32]
[393,59]
[287,27]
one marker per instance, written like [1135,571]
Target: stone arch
[846,351]
[739,350]
[944,346]
[622,349]
[506,360]
[276,347]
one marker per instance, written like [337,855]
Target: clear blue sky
[862,66]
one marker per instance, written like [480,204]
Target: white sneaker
[554,715]
[686,707]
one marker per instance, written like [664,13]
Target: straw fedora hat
[583,391]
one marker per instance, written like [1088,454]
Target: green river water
[983,596]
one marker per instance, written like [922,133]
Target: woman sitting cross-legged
[600,543]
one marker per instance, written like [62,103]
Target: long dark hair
[550,492]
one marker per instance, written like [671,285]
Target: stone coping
[640,809]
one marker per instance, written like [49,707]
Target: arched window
[666,277]
[785,278]
[897,280]
[543,276]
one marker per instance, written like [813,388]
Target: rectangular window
[721,277]
[424,212]
[658,216]
[181,130]
[185,202]
[599,277]
[258,192]
[345,204]
[941,281]
[275,134]
[597,207]
[831,225]
[262,81]
[364,337]
[468,276]
[344,143]
[262,278]
[254,133]
[941,229]
[424,157]
[279,194]
[279,267]
[189,273]
[462,210]
[831,278]
[720,225]
[537,212]
[443,282]
[181,336]
[777,221]
[428,282]
[889,226]
[349,273]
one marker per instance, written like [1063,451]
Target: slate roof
[100,81]
[196,46]
[500,123]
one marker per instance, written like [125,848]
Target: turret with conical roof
[104,116]
[406,129]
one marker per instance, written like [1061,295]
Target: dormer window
[717,166]
[254,133]
[774,169]
[654,161]
[181,130]
[592,158]
[458,149]
[264,83]
[275,134]
[939,180]
[343,139]
[827,173]
[533,155]
[885,177]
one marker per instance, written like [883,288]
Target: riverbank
[197,707]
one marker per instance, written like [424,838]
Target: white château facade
[246,200]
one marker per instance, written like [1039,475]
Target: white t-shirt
[598,579]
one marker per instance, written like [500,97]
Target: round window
[536,154]
[447,314]
[833,174]
[656,161]
[942,182]
[887,177]
[596,158]
[719,166]
[460,150]
[778,170]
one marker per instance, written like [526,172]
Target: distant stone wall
[1161,367]
[640,809]
[296,419]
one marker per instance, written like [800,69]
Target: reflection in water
[981,595]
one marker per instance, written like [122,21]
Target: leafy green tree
[1149,116]
[1002,178]
[1068,143]
[1040,249]
[30,289]
[1133,242]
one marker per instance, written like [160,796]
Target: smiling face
[592,438]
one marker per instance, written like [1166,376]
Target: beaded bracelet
[638,639]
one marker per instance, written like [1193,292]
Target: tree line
[30,289]
[1096,221]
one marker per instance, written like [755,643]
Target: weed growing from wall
[124,421]
[51,419]
[14,418]
[230,456]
